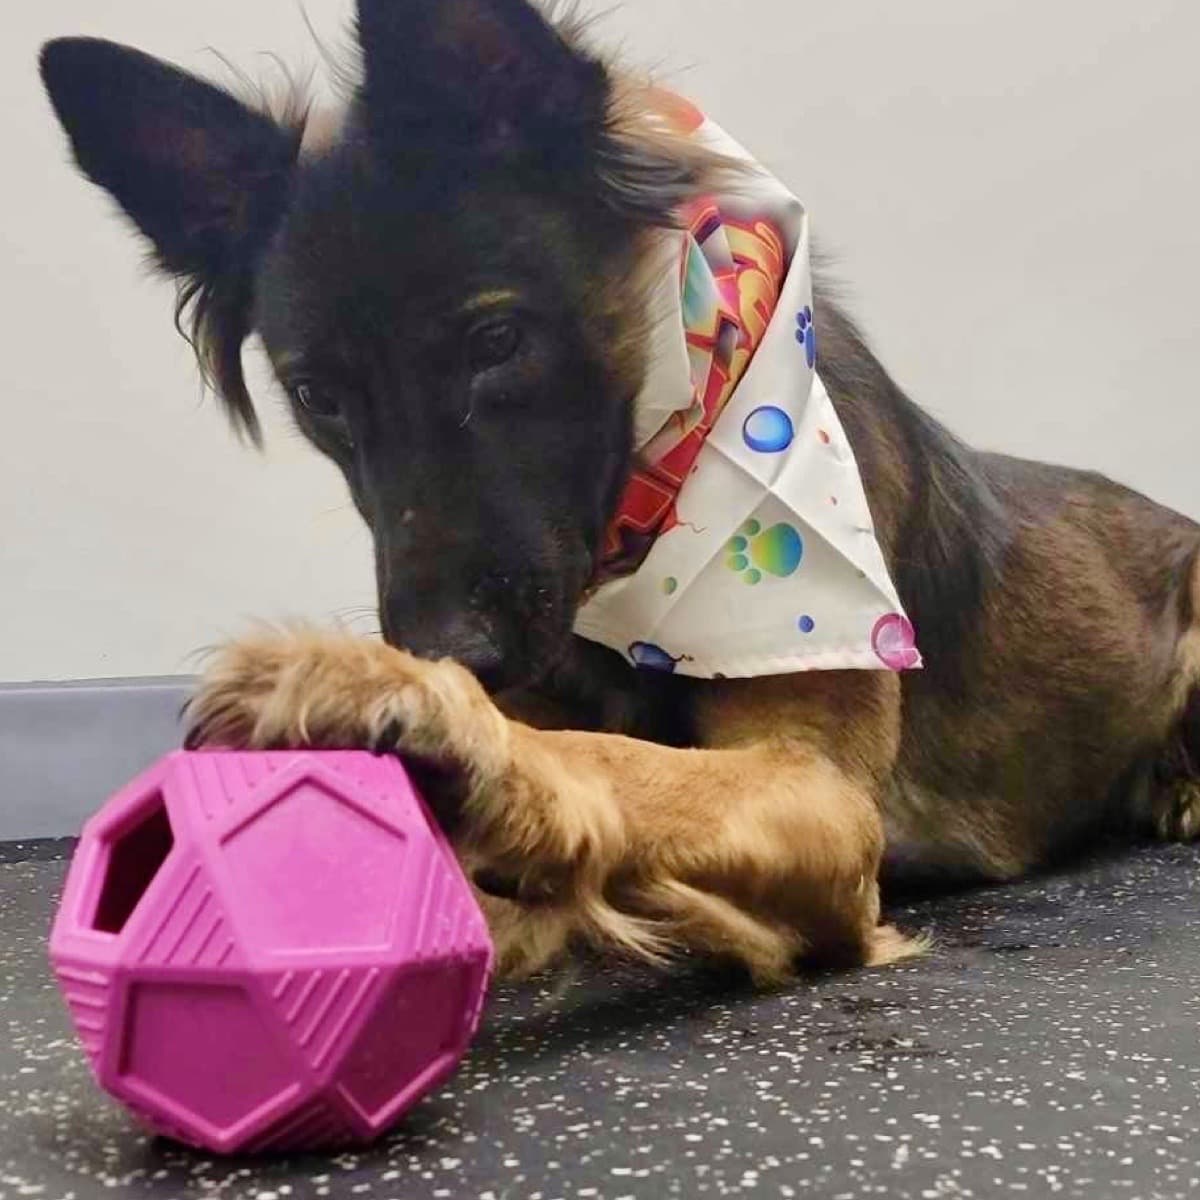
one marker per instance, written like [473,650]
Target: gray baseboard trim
[65,747]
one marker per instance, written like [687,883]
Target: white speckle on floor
[1047,1048]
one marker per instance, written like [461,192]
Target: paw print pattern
[753,551]
[806,335]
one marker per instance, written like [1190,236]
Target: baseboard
[65,747]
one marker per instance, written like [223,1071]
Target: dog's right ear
[203,176]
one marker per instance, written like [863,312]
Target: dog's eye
[493,344]
[313,400]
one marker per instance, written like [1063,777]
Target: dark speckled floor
[1050,1046]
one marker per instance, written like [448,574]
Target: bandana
[743,544]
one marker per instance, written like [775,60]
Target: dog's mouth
[505,652]
[510,624]
[496,670]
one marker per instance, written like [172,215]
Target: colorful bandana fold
[743,544]
[730,278]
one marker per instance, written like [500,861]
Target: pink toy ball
[270,951]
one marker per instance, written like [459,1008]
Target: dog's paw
[333,691]
[1176,812]
[530,827]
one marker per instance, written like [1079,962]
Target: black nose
[466,638]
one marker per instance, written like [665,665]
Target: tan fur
[763,844]
[322,131]
[1187,649]
[641,112]
[764,851]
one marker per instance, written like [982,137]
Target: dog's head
[448,292]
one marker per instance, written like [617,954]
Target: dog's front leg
[761,851]
[765,853]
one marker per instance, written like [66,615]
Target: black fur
[481,159]
[447,287]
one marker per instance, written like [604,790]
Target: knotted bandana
[743,544]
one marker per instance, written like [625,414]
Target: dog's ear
[498,79]
[203,176]
[488,77]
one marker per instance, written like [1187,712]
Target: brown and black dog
[442,284]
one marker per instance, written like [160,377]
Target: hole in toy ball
[134,858]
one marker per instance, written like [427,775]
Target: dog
[449,282]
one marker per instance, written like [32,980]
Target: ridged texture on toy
[267,952]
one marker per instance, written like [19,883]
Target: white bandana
[761,558]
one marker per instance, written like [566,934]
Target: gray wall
[65,747]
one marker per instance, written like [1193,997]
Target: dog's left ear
[497,81]
[487,77]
